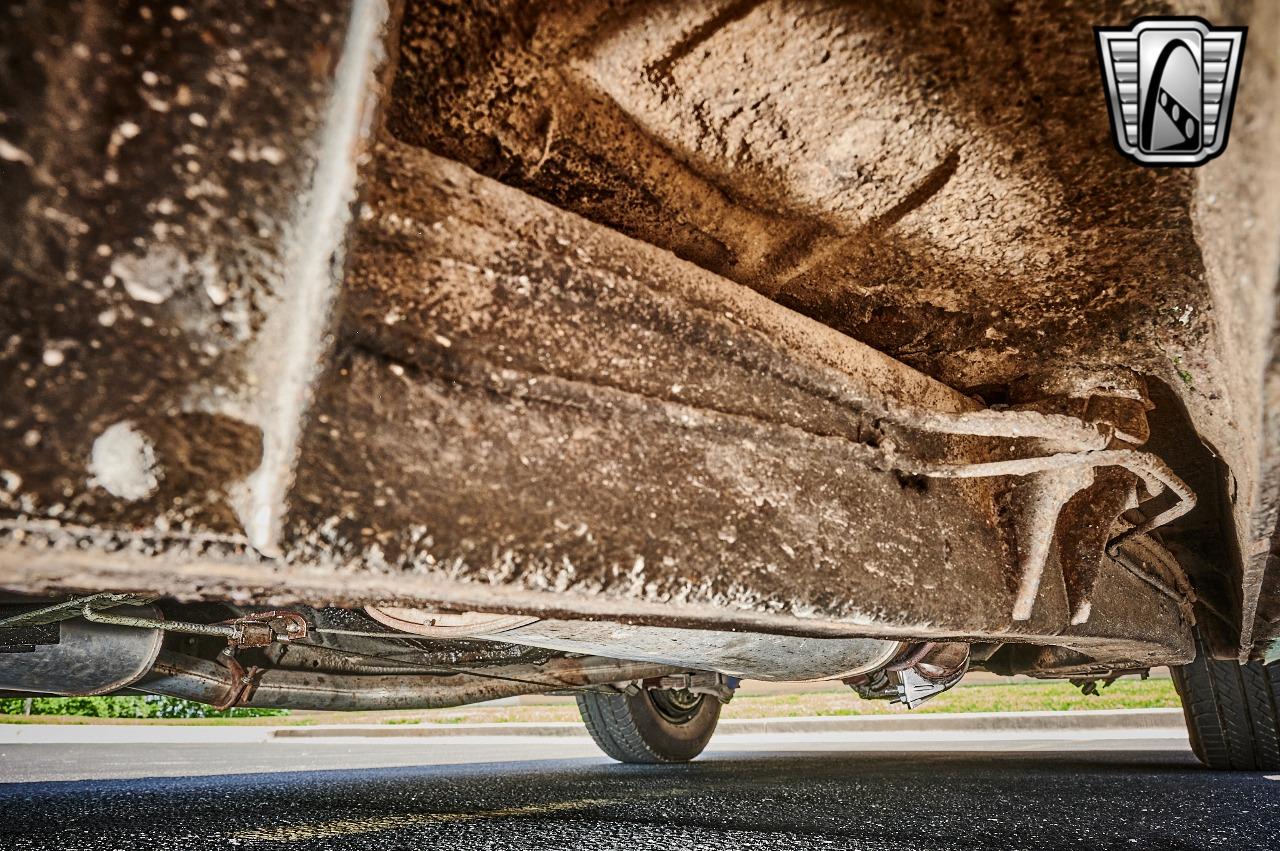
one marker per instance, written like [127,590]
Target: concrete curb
[1102,719]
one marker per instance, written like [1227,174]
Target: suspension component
[719,686]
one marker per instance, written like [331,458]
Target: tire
[1231,711]
[652,726]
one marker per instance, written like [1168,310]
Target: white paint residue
[154,276]
[216,290]
[270,154]
[14,154]
[293,340]
[123,463]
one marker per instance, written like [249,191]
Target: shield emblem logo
[1170,84]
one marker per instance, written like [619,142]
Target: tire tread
[1231,711]
[614,729]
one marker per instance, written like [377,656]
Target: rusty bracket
[243,681]
[263,628]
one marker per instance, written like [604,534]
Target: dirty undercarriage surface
[804,318]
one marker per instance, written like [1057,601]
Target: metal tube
[178,675]
[312,657]
[1154,473]
[70,609]
[227,631]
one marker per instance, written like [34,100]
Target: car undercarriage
[358,354]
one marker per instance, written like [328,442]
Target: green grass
[272,721]
[1004,697]
[133,707]
[826,699]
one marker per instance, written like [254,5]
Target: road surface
[1144,791]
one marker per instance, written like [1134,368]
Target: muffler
[74,657]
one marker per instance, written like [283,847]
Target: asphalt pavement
[223,789]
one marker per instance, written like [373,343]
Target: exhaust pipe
[178,675]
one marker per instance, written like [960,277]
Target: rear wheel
[651,726]
[1231,712]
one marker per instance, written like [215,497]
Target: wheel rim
[679,706]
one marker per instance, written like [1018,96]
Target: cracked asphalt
[1014,794]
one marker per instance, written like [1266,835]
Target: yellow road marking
[374,824]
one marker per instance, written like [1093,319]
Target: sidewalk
[985,725]
[1107,719]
